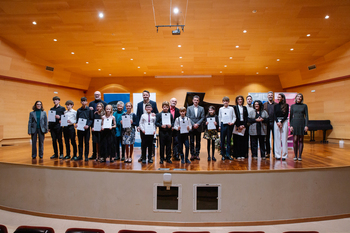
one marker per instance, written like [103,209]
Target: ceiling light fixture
[99,69]
[308,35]
[182,72]
[72,52]
[230,57]
[181,66]
[101,15]
[144,72]
[179,46]
[257,72]
[54,39]
[34,22]
[278,59]
[244,31]
[87,62]
[225,65]
[291,49]
[138,67]
[237,46]
[220,71]
[123,48]
[266,67]
[326,17]
[180,57]
[176,10]
[131,59]
[110,74]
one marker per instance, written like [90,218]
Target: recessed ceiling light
[144,72]
[237,46]
[326,17]
[123,48]
[100,15]
[291,49]
[99,69]
[182,72]
[176,10]
[278,59]
[131,59]
[179,46]
[244,31]
[72,52]
[308,35]
[266,67]
[220,72]
[87,62]
[254,11]
[110,74]
[182,66]
[225,65]
[180,57]
[257,72]
[34,22]
[139,67]
[54,39]
[230,57]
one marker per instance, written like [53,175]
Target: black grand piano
[319,125]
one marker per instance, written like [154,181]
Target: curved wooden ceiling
[213,30]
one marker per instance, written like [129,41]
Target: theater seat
[3,229]
[34,229]
[84,230]
[132,231]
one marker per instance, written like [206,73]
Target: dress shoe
[182,161]
[61,156]
[177,158]
[295,159]
[67,157]
[197,157]
[223,158]
[283,159]
[40,156]
[229,158]
[267,155]
[277,158]
[54,157]
[192,157]
[117,158]
[111,160]
[161,161]
[86,159]
[140,159]
[209,159]
[213,158]
[33,157]
[299,159]
[123,158]
[263,158]
[92,157]
[150,160]
[78,158]
[74,157]
[143,160]
[188,161]
[102,160]
[126,161]
[169,161]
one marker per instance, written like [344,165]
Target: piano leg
[312,136]
[324,137]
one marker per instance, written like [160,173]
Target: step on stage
[249,192]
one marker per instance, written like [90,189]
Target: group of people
[113,133]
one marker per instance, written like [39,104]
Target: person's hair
[69,102]
[196,96]
[248,96]
[120,103]
[146,91]
[182,109]
[261,106]
[102,108]
[108,105]
[283,103]
[270,92]
[129,103]
[238,98]
[211,107]
[225,99]
[165,103]
[148,105]
[83,99]
[302,98]
[56,98]
[35,108]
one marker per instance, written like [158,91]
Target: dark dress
[299,118]
[96,135]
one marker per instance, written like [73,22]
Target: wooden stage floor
[315,155]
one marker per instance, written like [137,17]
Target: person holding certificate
[240,139]
[211,132]
[118,132]
[55,127]
[147,127]
[227,118]
[84,121]
[108,135]
[129,122]
[96,128]
[184,125]
[37,128]
[281,111]
[69,130]
[165,122]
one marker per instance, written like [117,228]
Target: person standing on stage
[196,115]
[299,118]
[69,130]
[281,111]
[92,106]
[269,108]
[37,128]
[175,134]
[240,142]
[55,128]
[118,132]
[249,106]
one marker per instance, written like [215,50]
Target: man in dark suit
[269,108]
[196,115]
[141,109]
[175,113]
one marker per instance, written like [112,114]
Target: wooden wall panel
[329,102]
[18,97]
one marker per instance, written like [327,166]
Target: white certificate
[166,119]
[107,123]
[236,131]
[64,120]
[226,117]
[126,121]
[97,124]
[149,129]
[52,116]
[81,124]
[211,124]
[183,126]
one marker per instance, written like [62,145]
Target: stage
[252,192]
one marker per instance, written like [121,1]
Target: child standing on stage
[69,131]
[118,131]
[184,133]
[55,128]
[148,128]
[96,135]
[165,132]
[108,135]
[84,134]
[211,134]
[128,134]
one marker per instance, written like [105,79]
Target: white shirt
[72,116]
[195,111]
[177,122]
[144,121]
[230,111]
[240,108]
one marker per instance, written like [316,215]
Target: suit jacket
[140,108]
[196,120]
[238,116]
[32,123]
[159,122]
[253,127]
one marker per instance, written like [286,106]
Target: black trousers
[84,138]
[254,139]
[35,136]
[270,127]
[69,136]
[165,143]
[118,142]
[107,143]
[56,135]
[183,140]
[195,136]
[239,146]
[147,144]
[175,139]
